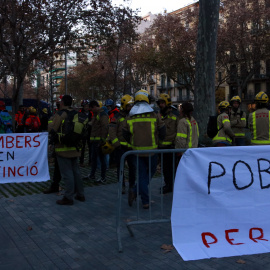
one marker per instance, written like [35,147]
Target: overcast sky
[154,6]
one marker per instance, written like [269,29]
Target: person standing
[170,119]
[118,141]
[19,120]
[67,157]
[225,135]
[187,128]
[259,121]
[99,133]
[44,120]
[85,113]
[238,121]
[143,129]
[32,122]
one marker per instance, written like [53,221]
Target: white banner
[23,157]
[221,202]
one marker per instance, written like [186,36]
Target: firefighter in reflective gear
[99,133]
[19,120]
[118,141]
[225,135]
[143,129]
[67,157]
[187,128]
[259,121]
[112,110]
[170,119]
[238,121]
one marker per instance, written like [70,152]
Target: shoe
[131,197]
[79,198]
[146,206]
[51,190]
[123,190]
[65,201]
[103,180]
[166,190]
[98,180]
[89,177]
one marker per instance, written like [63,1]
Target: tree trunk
[204,94]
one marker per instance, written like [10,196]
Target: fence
[142,220]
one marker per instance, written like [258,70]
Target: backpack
[34,126]
[212,128]
[6,123]
[73,128]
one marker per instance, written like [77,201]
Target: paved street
[36,233]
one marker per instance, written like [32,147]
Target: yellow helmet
[45,110]
[125,100]
[142,95]
[166,98]
[107,148]
[261,97]
[236,98]
[32,110]
[224,104]
[100,103]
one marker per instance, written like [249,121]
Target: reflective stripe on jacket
[260,127]
[187,133]
[238,123]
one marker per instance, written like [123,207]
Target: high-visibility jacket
[32,123]
[187,133]
[171,121]
[225,132]
[143,131]
[54,128]
[238,123]
[99,123]
[260,127]
[116,130]
[112,113]
[19,117]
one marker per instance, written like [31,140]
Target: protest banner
[221,202]
[24,157]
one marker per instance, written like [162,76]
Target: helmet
[99,103]
[109,102]
[2,105]
[107,148]
[85,102]
[261,97]
[224,104]
[45,110]
[235,98]
[125,100]
[32,110]
[142,95]
[166,98]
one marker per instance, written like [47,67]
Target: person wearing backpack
[32,122]
[225,135]
[67,156]
[238,121]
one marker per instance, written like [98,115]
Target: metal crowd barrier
[139,220]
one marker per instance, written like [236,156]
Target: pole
[65,68]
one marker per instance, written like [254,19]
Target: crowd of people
[138,125]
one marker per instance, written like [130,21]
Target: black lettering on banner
[10,155]
[265,170]
[234,178]
[210,176]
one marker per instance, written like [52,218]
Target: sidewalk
[36,233]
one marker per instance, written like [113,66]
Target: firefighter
[170,119]
[225,135]
[109,104]
[118,141]
[259,121]
[86,113]
[98,135]
[19,120]
[238,121]
[142,130]
[187,128]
